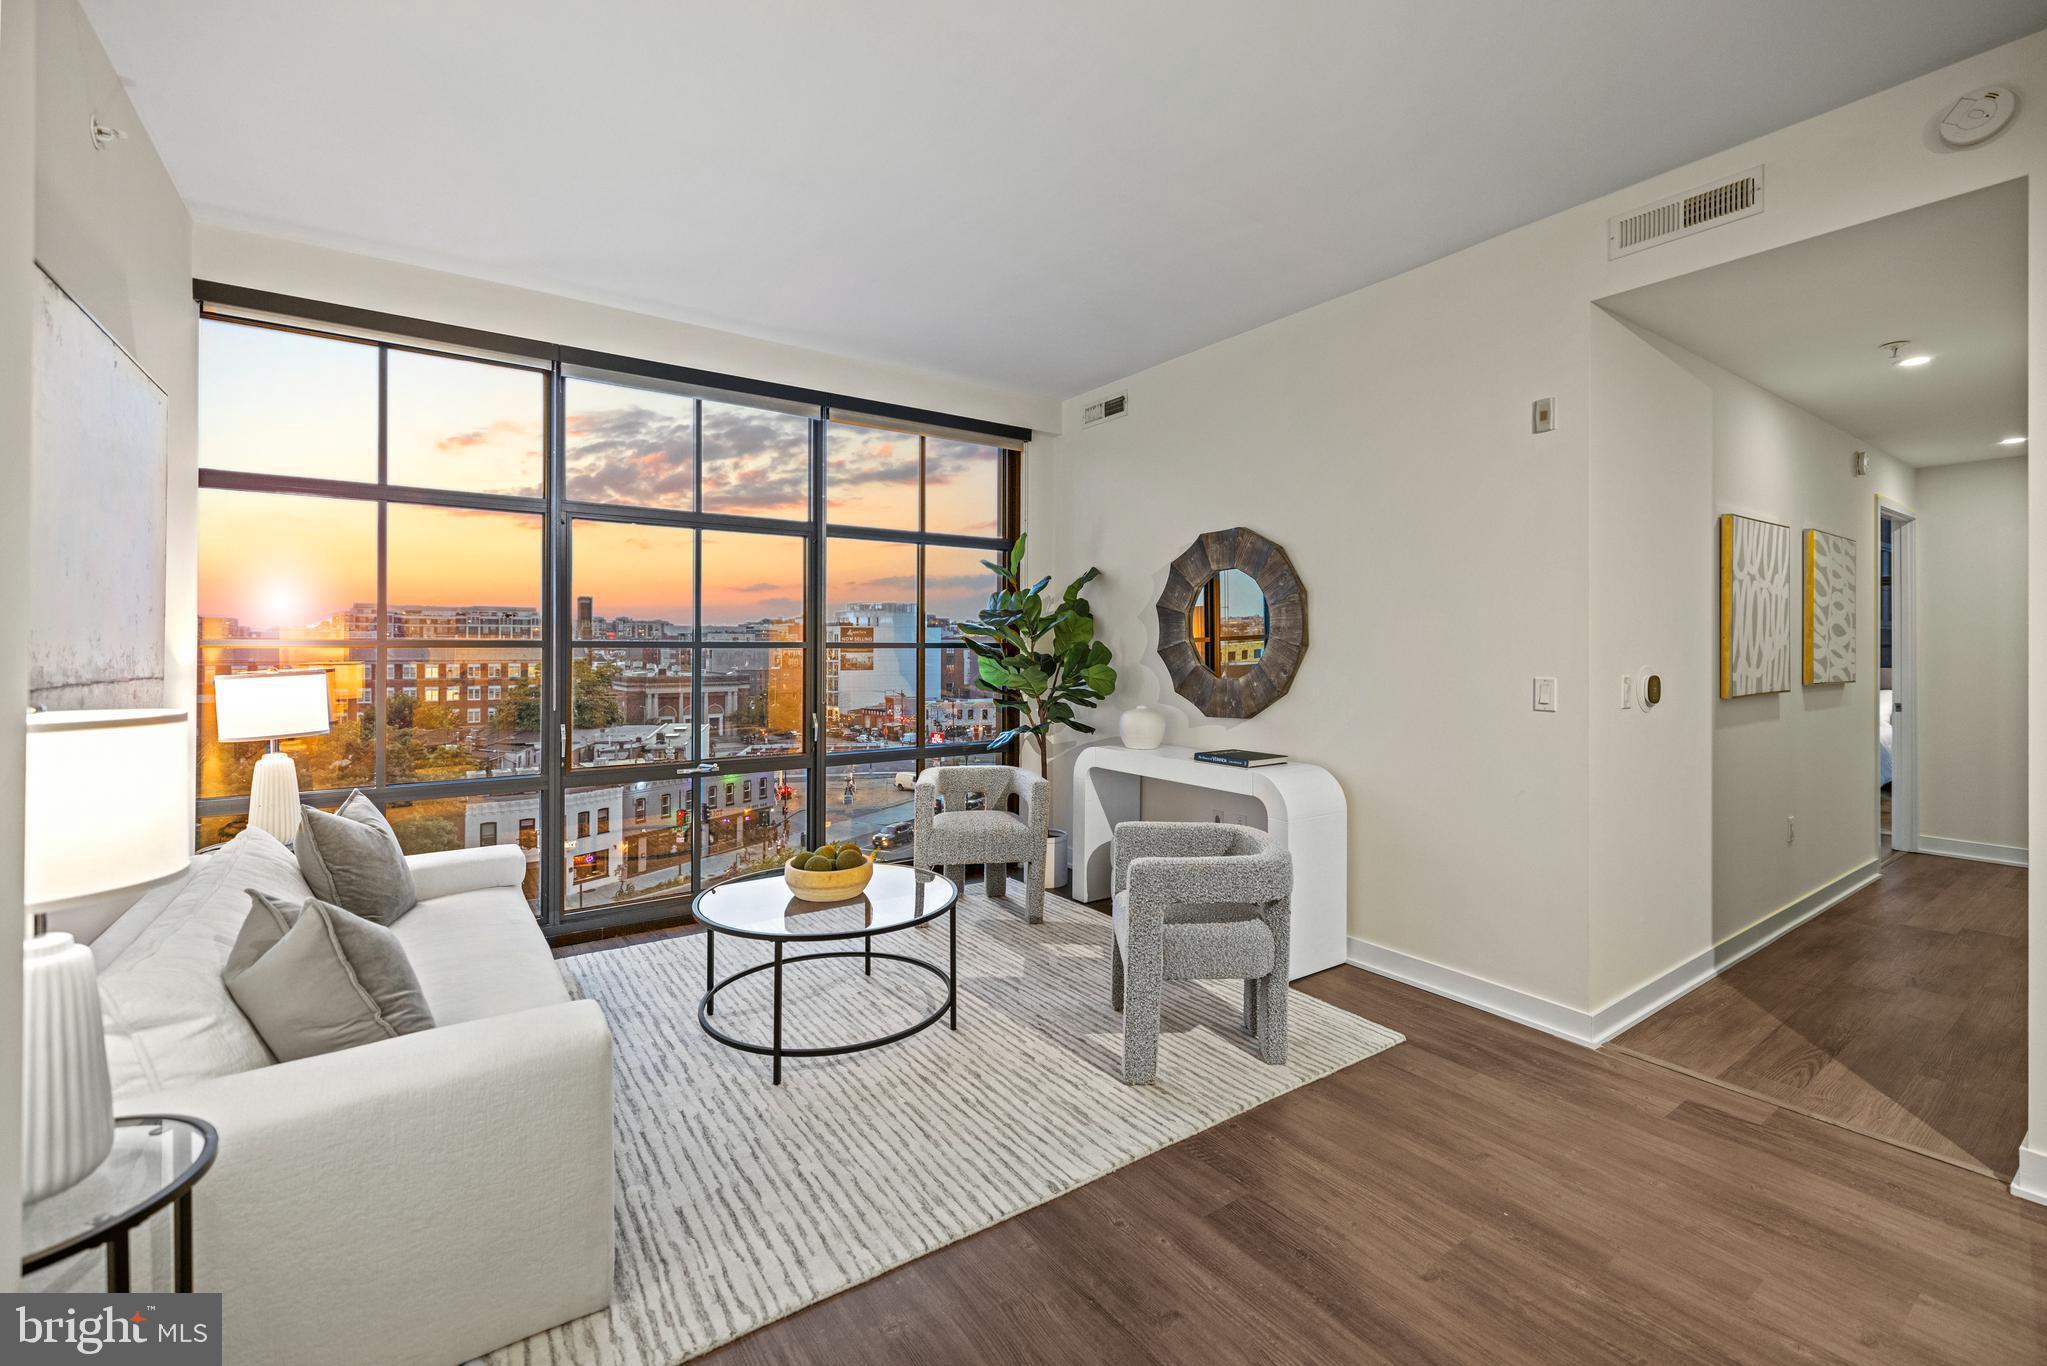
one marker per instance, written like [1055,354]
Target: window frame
[549,656]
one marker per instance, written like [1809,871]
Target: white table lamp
[73,854]
[287,704]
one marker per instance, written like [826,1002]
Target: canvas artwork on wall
[1755,606]
[1829,608]
[101,452]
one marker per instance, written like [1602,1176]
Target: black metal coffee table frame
[775,1049]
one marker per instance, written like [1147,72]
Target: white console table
[1304,810]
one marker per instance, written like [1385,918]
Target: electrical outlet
[1791,829]
[1215,815]
[1543,415]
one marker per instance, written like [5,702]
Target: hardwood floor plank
[1900,1013]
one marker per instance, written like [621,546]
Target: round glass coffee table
[897,898]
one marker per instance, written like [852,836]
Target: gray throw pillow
[315,979]
[352,859]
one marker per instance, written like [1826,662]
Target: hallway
[1900,1013]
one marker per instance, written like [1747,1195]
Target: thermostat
[1649,687]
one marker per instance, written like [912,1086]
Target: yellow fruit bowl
[840,884]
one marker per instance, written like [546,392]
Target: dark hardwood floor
[1479,1194]
[1900,1013]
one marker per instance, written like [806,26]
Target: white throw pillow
[169,1019]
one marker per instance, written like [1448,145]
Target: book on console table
[1239,758]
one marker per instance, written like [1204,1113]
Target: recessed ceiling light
[2013,441]
[1904,360]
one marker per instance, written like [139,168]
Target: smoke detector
[1978,116]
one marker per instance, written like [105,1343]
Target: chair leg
[1115,974]
[956,874]
[995,880]
[1034,893]
[1251,1006]
[1272,1033]
[1143,992]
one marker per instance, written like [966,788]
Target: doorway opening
[1869,781]
[1896,709]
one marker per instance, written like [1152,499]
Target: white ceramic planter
[1142,727]
[1055,858]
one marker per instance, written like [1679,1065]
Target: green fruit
[850,859]
[818,863]
[799,855]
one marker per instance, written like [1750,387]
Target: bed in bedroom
[1883,738]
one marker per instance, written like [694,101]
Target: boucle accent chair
[993,836]
[1198,902]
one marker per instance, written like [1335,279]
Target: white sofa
[421,1200]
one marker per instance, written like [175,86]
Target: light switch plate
[1545,694]
[1544,416]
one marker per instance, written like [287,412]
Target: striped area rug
[740,1202]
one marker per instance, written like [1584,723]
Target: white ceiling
[1044,195]
[1806,321]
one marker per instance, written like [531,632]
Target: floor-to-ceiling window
[656,632]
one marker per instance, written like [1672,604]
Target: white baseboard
[1593,1028]
[2013,855]
[2031,1182]
[1537,1012]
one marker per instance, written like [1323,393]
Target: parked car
[898,836]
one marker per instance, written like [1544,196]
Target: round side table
[156,1161]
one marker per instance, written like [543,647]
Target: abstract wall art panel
[98,511]
[1829,608]
[1755,606]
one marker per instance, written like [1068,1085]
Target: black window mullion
[699,728]
[814,632]
[556,626]
[380,686]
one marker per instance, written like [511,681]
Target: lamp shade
[283,705]
[109,803]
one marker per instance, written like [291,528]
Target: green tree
[593,687]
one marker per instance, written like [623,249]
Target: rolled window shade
[740,397]
[852,418]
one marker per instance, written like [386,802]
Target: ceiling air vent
[1115,405]
[1681,215]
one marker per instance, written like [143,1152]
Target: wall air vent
[1681,215]
[1115,405]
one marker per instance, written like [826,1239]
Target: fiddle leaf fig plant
[1041,659]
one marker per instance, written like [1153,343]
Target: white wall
[17,309]
[286,267]
[1444,552]
[1651,772]
[1807,756]
[1383,439]
[112,230]
[1972,652]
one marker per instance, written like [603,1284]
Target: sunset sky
[279,402]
